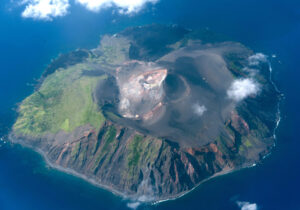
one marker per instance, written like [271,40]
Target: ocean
[27,46]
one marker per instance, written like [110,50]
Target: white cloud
[45,9]
[199,109]
[125,6]
[252,72]
[242,88]
[133,205]
[257,58]
[247,205]
[49,9]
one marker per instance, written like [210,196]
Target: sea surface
[27,46]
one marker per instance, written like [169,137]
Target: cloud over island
[242,88]
[257,58]
[49,9]
[199,109]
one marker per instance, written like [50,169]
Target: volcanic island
[152,112]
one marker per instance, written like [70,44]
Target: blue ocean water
[27,46]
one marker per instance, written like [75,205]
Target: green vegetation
[114,50]
[142,151]
[112,116]
[261,128]
[110,135]
[241,149]
[78,153]
[95,147]
[82,156]
[135,148]
[66,125]
[63,102]
[235,64]
[107,148]
[151,151]
[75,151]
[96,163]
[65,60]
[247,143]
[222,146]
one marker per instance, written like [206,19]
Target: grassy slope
[63,102]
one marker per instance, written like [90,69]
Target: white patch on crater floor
[142,93]
[199,109]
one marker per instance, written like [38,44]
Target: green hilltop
[63,102]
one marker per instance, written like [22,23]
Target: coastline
[111,190]
[69,171]
[134,198]
[278,120]
[137,198]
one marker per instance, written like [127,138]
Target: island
[152,112]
